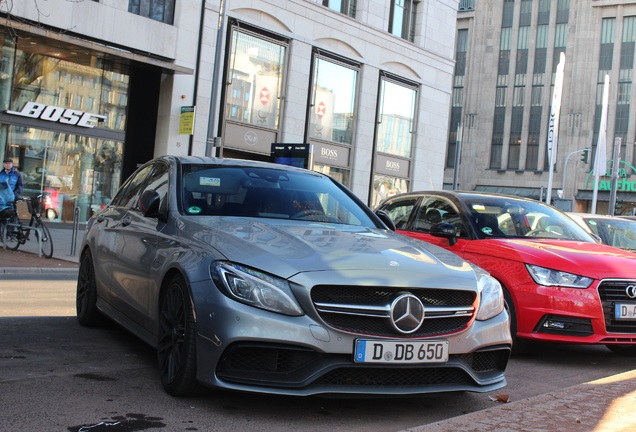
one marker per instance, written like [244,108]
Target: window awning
[66,41]
[603,195]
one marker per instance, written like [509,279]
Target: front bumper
[247,349]
[294,370]
[570,315]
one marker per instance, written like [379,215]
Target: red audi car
[560,285]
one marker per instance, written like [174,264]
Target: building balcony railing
[466,5]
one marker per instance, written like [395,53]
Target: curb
[38,270]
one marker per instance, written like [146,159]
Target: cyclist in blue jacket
[14,177]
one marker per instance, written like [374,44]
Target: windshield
[221,190]
[619,233]
[510,217]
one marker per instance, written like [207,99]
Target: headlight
[255,288]
[549,277]
[491,296]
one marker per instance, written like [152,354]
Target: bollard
[75,230]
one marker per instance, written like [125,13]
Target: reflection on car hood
[287,247]
[587,259]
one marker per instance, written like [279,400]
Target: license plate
[625,311]
[375,351]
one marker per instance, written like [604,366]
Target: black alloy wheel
[86,296]
[176,347]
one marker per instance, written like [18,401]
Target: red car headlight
[548,277]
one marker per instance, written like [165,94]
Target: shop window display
[75,170]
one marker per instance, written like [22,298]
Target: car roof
[462,195]
[204,160]
[592,215]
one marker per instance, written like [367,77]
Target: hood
[285,248]
[593,260]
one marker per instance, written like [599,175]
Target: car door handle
[126,221]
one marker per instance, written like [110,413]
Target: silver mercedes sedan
[267,278]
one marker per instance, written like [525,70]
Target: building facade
[507,53]
[90,90]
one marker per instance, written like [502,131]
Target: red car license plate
[624,311]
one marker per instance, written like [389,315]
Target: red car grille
[612,292]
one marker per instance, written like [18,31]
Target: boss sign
[58,114]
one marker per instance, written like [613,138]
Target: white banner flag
[555,112]
[600,161]
[553,126]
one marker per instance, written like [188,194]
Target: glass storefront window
[256,73]
[338,174]
[55,82]
[386,186]
[396,129]
[395,137]
[333,101]
[73,170]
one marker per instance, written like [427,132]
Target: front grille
[612,292]
[271,359]
[287,366]
[366,310]
[487,361]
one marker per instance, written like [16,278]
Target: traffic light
[585,156]
[618,207]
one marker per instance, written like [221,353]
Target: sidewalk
[26,260]
[605,405]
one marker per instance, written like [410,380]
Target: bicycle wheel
[11,235]
[46,241]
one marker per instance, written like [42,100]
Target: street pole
[458,150]
[565,168]
[616,153]
[212,140]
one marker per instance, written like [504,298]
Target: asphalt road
[58,376]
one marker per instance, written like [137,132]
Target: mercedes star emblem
[407,313]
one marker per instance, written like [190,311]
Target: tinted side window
[127,196]
[158,181]
[436,210]
[400,211]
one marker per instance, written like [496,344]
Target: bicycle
[16,233]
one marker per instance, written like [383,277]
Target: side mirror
[446,230]
[597,238]
[384,217]
[149,203]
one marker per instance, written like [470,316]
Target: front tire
[86,296]
[176,347]
[518,346]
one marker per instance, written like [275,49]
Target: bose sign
[59,115]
